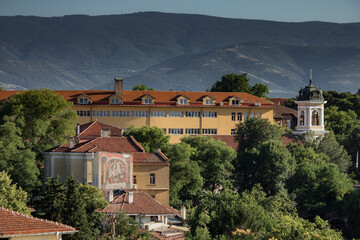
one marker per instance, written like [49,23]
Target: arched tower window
[302,118]
[315,121]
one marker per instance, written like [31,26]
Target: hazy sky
[279,10]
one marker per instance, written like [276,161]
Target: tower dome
[310,93]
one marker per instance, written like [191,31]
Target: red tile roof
[280,111]
[230,140]
[14,223]
[288,138]
[142,203]
[166,98]
[93,130]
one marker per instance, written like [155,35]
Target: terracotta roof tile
[15,223]
[143,203]
[93,130]
[230,140]
[280,111]
[162,98]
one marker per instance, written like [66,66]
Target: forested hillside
[175,51]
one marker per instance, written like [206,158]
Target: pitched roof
[93,129]
[280,111]
[166,98]
[142,203]
[108,144]
[230,140]
[14,223]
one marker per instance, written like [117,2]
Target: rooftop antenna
[310,76]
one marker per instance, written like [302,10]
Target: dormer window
[183,101]
[148,101]
[209,102]
[83,100]
[115,101]
[235,102]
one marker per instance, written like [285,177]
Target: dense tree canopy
[185,175]
[340,122]
[15,158]
[255,131]
[44,118]
[335,152]
[270,165]
[239,83]
[12,197]
[344,101]
[317,182]
[151,138]
[215,159]
[73,204]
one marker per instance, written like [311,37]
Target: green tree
[47,118]
[340,122]
[185,175]
[215,159]
[12,197]
[255,131]
[142,87]
[336,152]
[270,165]
[150,138]
[317,183]
[52,200]
[290,103]
[15,158]
[351,212]
[352,143]
[73,204]
[238,83]
[127,228]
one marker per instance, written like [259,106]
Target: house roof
[230,140]
[165,98]
[142,203]
[281,111]
[93,130]
[98,144]
[13,223]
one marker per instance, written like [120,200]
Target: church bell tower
[310,103]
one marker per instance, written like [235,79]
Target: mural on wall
[115,170]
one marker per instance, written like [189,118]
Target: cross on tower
[310,75]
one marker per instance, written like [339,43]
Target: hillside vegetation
[175,51]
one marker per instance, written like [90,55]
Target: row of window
[192,131]
[150,101]
[104,113]
[239,116]
[152,179]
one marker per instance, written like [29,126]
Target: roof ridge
[162,205]
[35,218]
[136,143]
[87,127]
[88,142]
[162,155]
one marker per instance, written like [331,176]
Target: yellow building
[178,113]
[99,156]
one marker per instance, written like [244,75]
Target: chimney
[110,196]
[71,142]
[118,86]
[183,212]
[105,133]
[131,197]
[77,129]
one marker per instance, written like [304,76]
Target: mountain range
[176,51]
